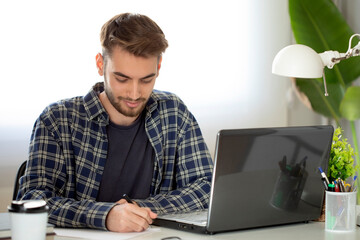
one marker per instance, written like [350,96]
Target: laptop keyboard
[197,217]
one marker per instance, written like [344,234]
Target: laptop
[262,177]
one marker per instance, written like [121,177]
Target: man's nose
[134,91]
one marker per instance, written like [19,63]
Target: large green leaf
[319,25]
[314,90]
[350,105]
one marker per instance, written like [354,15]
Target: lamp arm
[355,51]
[330,58]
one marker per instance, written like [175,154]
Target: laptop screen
[268,176]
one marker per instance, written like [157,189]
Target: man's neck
[115,116]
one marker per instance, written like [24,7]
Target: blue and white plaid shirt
[68,151]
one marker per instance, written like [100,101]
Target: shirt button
[98,171]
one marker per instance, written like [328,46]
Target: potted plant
[320,25]
[341,162]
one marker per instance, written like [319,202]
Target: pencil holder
[340,211]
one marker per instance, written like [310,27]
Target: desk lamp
[301,61]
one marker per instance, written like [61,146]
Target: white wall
[218,62]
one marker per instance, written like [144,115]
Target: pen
[325,184]
[353,188]
[341,185]
[331,188]
[324,175]
[337,188]
[126,197]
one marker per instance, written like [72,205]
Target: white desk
[301,231]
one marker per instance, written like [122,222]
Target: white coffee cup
[28,219]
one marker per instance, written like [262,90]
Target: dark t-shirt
[129,165]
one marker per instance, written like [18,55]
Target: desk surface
[301,231]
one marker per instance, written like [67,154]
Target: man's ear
[100,64]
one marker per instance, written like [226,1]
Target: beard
[122,108]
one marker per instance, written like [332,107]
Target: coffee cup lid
[28,206]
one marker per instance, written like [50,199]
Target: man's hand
[128,217]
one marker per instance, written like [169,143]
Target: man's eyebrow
[121,75]
[125,76]
[148,76]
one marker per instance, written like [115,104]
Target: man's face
[129,81]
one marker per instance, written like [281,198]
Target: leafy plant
[341,162]
[320,25]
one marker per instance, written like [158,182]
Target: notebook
[262,177]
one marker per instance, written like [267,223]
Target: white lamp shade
[298,61]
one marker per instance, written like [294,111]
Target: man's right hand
[128,217]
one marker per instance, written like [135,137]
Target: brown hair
[135,33]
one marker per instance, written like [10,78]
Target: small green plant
[341,163]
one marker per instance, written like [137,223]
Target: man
[123,137]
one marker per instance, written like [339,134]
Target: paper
[99,234]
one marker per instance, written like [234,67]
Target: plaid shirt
[68,152]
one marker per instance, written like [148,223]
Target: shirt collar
[92,103]
[156,97]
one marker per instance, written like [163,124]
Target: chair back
[19,174]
